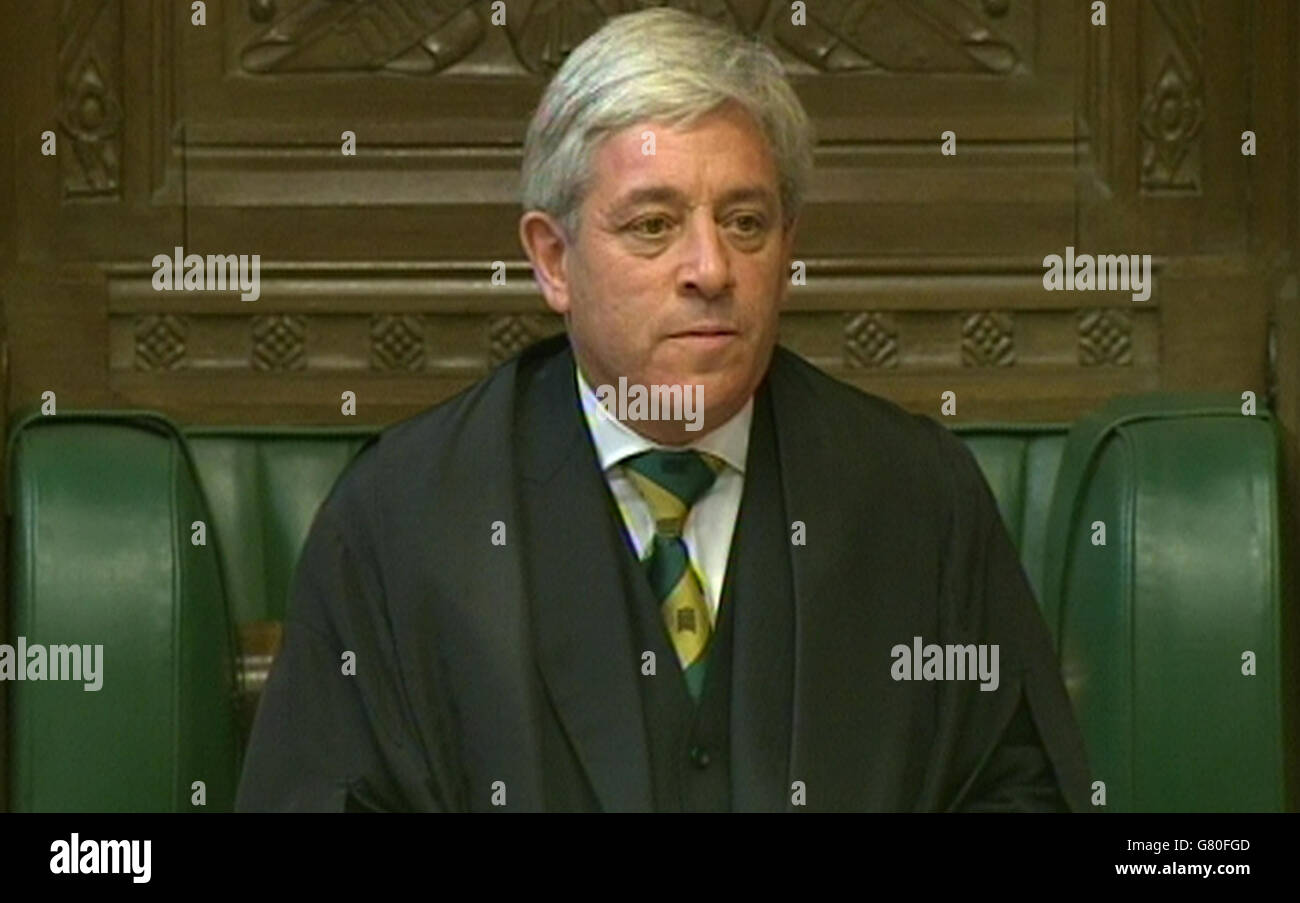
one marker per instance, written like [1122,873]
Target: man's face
[679,264]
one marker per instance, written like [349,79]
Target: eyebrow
[669,195]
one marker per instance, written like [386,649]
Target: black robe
[471,677]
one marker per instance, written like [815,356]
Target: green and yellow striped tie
[671,482]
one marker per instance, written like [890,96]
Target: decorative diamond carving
[397,342]
[510,334]
[987,340]
[90,108]
[1171,118]
[1105,337]
[278,342]
[870,340]
[160,342]
[1172,111]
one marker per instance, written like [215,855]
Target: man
[516,601]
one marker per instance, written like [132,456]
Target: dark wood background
[923,270]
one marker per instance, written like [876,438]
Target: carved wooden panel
[439,95]
[1173,102]
[90,114]
[924,270]
[424,37]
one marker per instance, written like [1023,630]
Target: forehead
[723,146]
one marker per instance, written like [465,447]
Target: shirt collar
[615,441]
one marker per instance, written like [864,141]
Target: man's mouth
[705,341]
[705,332]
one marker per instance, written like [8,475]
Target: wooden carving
[90,114]
[423,37]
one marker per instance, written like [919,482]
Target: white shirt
[711,520]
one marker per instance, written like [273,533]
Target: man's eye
[651,227]
[749,224]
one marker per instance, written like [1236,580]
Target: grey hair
[666,65]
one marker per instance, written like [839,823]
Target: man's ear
[545,244]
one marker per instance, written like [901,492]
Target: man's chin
[714,370]
[702,398]
[713,385]
[717,400]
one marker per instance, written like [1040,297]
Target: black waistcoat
[690,742]
[692,752]
[689,750]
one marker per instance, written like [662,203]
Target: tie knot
[671,482]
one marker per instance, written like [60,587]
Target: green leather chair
[1150,627]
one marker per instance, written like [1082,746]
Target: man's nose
[706,266]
